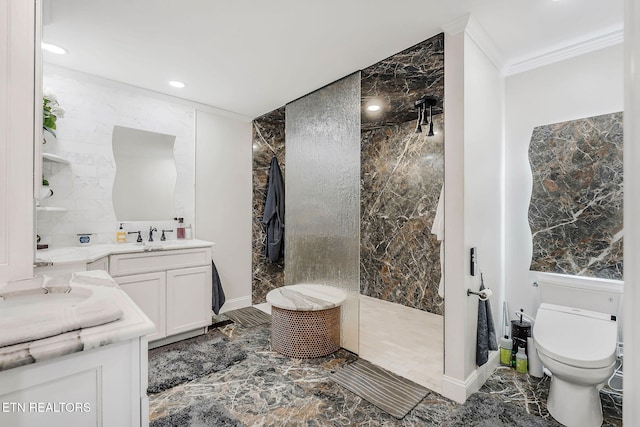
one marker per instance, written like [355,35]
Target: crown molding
[592,44]
[472,28]
[456,26]
[479,35]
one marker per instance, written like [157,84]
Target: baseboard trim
[235,303]
[459,391]
[178,337]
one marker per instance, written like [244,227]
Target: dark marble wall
[268,140]
[575,213]
[402,173]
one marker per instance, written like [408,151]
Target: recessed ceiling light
[177,84]
[53,48]
[373,107]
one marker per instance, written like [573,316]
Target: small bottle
[180,228]
[505,351]
[121,235]
[521,361]
[188,232]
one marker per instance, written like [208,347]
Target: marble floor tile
[269,389]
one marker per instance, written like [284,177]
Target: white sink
[153,246]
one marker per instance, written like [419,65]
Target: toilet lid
[580,338]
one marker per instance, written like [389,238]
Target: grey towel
[218,298]
[273,217]
[486,337]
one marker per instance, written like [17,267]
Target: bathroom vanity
[92,376]
[170,281]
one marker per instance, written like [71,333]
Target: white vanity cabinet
[173,288]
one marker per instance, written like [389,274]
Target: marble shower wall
[268,141]
[402,173]
[575,213]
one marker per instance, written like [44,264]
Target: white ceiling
[252,56]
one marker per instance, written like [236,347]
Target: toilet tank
[601,295]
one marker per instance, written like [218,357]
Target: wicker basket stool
[305,320]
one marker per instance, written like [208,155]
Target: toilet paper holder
[483,294]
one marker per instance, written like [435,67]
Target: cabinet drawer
[136,263]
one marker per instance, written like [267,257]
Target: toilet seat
[579,338]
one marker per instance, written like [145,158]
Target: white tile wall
[93,106]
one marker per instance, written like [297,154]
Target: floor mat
[482,410]
[248,316]
[389,392]
[189,359]
[202,414]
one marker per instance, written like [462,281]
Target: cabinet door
[188,299]
[18,39]
[148,291]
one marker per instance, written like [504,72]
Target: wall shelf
[48,157]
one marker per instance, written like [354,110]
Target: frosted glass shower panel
[322,240]
[146,175]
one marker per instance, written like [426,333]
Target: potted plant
[51,111]
[45,191]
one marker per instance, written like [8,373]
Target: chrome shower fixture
[422,104]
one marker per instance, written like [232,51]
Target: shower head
[422,104]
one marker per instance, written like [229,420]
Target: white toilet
[578,346]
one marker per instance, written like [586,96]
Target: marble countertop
[133,323]
[84,254]
[306,297]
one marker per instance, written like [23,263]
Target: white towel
[438,229]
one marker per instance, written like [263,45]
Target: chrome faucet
[163,237]
[151,230]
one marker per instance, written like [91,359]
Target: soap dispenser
[121,236]
[180,228]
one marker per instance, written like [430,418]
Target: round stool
[305,320]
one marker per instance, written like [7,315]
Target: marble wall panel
[397,82]
[268,141]
[402,173]
[576,214]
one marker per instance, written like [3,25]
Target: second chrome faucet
[151,230]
